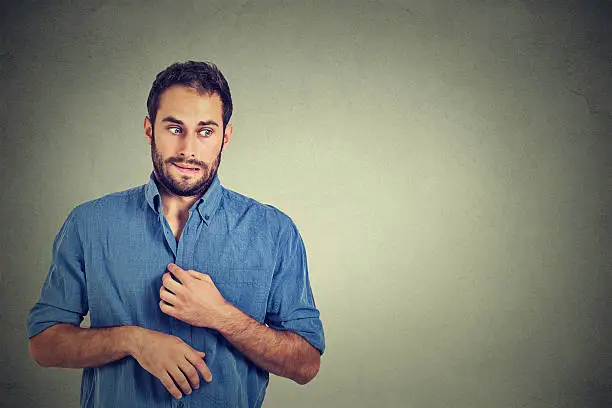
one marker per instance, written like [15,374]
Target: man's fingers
[180,380]
[199,363]
[169,283]
[191,373]
[167,382]
[166,308]
[167,296]
[180,274]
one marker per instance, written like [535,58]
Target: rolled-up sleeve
[291,305]
[64,293]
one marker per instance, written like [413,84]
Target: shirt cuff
[309,328]
[42,316]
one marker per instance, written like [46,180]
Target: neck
[174,205]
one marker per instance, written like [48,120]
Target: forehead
[184,102]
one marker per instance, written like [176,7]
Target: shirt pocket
[247,290]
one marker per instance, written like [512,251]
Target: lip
[186,170]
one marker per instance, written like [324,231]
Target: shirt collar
[152,194]
[206,205]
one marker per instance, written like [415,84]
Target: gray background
[448,165]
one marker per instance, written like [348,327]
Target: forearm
[280,352]
[69,346]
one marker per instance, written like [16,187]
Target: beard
[182,185]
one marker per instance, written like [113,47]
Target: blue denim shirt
[108,260]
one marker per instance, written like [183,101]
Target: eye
[175,130]
[206,132]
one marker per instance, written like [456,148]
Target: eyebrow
[172,119]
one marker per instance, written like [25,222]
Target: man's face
[187,140]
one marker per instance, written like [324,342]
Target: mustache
[192,162]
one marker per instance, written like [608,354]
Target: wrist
[129,339]
[227,315]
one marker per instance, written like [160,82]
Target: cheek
[209,151]
[165,146]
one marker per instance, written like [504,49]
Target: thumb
[198,275]
[174,268]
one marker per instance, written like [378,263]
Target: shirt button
[206,217]
[180,404]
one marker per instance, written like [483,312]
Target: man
[182,278]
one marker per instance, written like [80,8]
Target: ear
[228,134]
[148,129]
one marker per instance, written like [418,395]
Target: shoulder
[95,214]
[110,205]
[240,207]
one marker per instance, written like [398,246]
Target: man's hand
[171,360]
[194,299]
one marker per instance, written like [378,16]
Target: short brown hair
[203,76]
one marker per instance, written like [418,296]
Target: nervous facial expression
[187,140]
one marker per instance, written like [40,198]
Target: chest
[124,264]
[176,225]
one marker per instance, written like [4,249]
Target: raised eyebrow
[208,123]
[172,119]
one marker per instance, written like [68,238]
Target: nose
[188,145]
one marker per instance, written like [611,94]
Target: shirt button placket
[170,238]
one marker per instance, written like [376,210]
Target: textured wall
[448,164]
